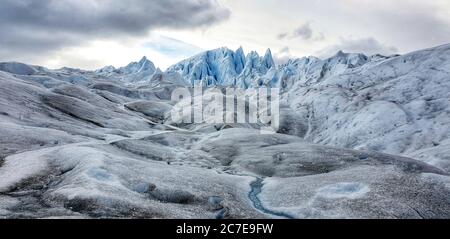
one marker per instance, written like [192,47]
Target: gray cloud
[37,26]
[304,32]
[408,24]
[282,35]
[367,46]
[414,26]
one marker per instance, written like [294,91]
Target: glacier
[349,100]
[224,67]
[360,137]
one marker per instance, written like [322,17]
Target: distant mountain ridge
[225,67]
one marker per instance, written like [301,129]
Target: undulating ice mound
[395,105]
[17,68]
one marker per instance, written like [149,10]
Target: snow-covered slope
[17,68]
[397,105]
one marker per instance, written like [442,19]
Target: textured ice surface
[223,67]
[343,190]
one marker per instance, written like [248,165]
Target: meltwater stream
[256,188]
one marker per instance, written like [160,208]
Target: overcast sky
[93,33]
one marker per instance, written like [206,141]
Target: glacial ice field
[360,137]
